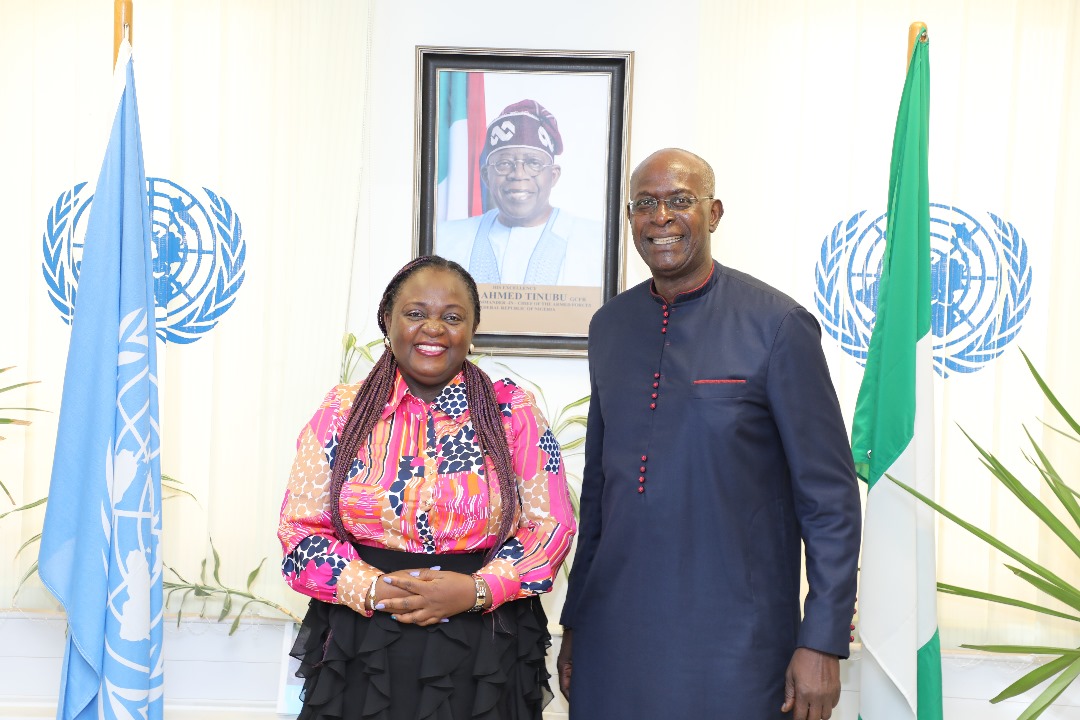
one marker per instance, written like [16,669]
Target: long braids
[479,393]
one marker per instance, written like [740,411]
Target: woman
[425,551]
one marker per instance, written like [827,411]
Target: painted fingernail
[415,573]
[380,606]
[387,579]
[394,618]
[436,567]
[445,620]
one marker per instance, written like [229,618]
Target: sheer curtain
[796,107]
[262,104]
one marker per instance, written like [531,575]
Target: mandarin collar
[693,294]
[452,399]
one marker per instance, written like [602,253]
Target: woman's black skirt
[488,666]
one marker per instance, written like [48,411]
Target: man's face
[523,199]
[674,244]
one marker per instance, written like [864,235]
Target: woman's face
[430,327]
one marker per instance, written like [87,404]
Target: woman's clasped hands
[425,596]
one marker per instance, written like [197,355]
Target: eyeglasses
[649,205]
[532,166]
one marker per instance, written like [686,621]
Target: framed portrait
[521,161]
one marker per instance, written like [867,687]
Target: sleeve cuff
[502,580]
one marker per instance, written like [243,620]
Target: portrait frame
[593,90]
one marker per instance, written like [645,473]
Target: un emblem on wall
[198,256]
[980,279]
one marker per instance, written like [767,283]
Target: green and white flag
[893,434]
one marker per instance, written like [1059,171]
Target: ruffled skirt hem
[482,667]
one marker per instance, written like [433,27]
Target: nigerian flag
[462,127]
[893,434]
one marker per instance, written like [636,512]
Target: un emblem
[980,284]
[198,256]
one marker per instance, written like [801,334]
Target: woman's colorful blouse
[421,485]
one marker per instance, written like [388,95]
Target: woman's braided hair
[375,393]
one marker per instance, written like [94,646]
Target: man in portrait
[523,239]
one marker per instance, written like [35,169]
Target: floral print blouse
[420,484]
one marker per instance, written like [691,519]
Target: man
[523,239]
[715,444]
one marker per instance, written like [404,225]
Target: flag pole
[916,33]
[122,10]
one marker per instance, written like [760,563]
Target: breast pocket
[719,388]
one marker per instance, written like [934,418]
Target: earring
[386,342]
[472,349]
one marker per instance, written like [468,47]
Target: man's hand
[811,685]
[565,664]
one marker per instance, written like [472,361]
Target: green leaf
[254,574]
[1039,675]
[1050,396]
[225,606]
[200,591]
[217,563]
[1065,593]
[19,385]
[572,445]
[1025,649]
[1003,600]
[174,572]
[27,544]
[26,576]
[1051,693]
[1030,501]
[202,571]
[236,622]
[984,536]
[1053,480]
[1060,432]
[39,501]
[180,609]
[584,400]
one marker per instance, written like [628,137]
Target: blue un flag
[100,544]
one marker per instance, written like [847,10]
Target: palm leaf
[1025,649]
[1051,693]
[1039,675]
[26,576]
[1053,479]
[18,385]
[1002,600]
[1030,501]
[1060,432]
[27,506]
[985,536]
[1066,594]
[27,544]
[1050,396]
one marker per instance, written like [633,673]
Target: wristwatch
[481,593]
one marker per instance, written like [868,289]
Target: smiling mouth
[517,194]
[430,350]
[666,240]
